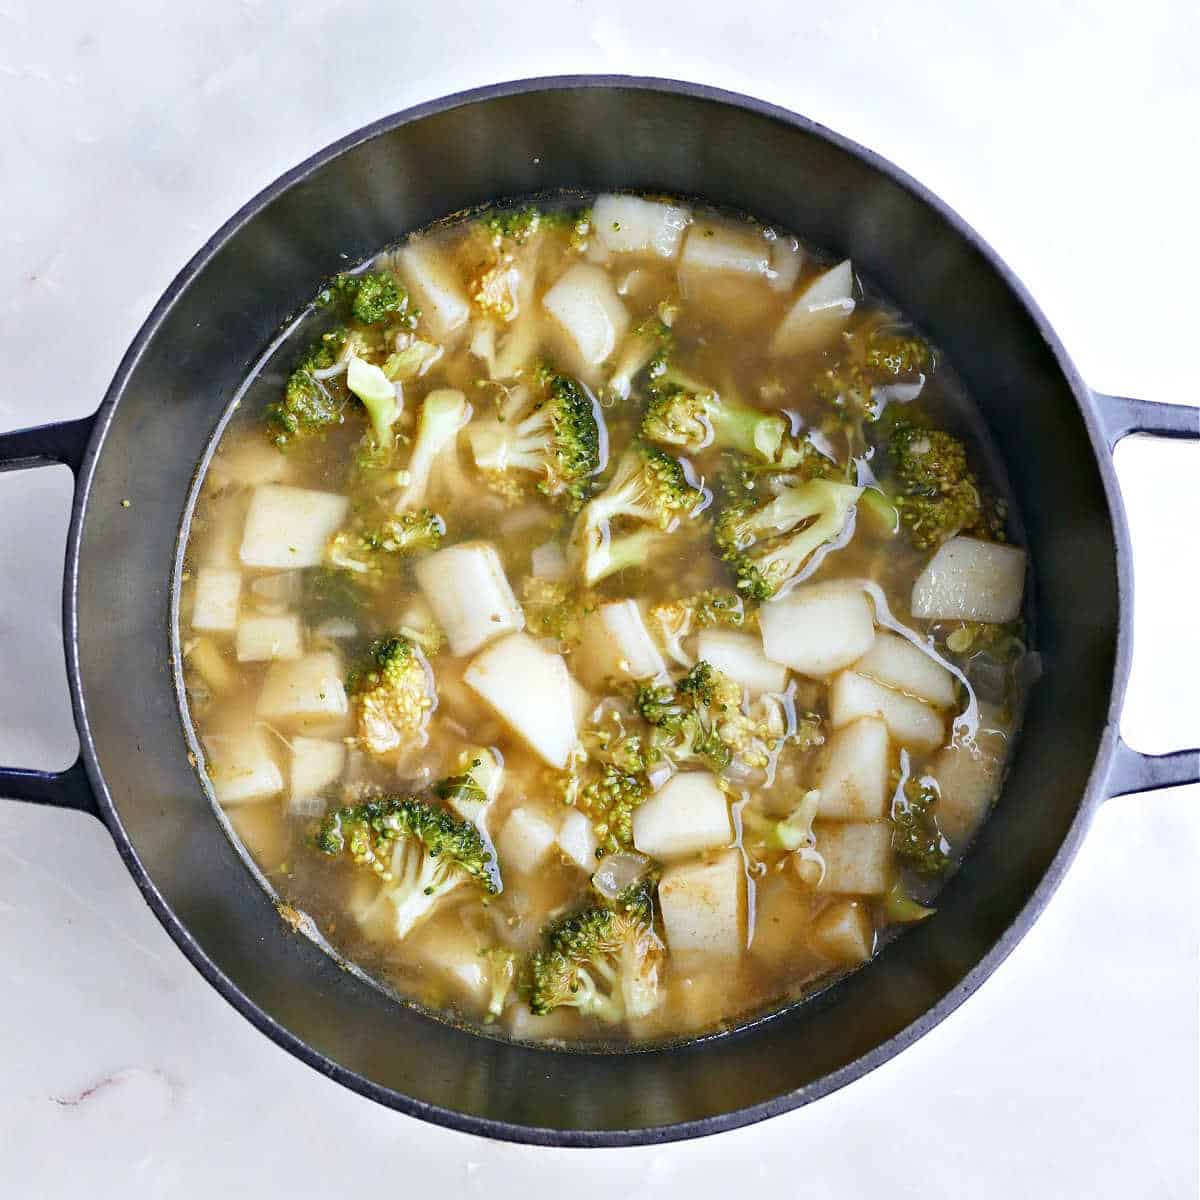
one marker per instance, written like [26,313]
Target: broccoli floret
[443,413]
[370,549]
[550,432]
[378,396]
[514,224]
[554,608]
[419,851]
[901,908]
[787,834]
[938,495]
[373,298]
[329,593]
[694,419]
[916,839]
[500,964]
[648,489]
[676,619]
[768,543]
[309,404]
[393,696]
[1003,643]
[646,346]
[603,960]
[412,361]
[894,355]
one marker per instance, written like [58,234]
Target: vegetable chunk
[215,608]
[968,778]
[818,629]
[894,661]
[305,693]
[290,526]
[740,657]
[687,815]
[970,580]
[819,312]
[615,645]
[703,906]
[845,933]
[629,224]
[585,306]
[242,768]
[317,764]
[911,722]
[530,690]
[858,857]
[443,303]
[525,840]
[854,782]
[470,595]
[265,639]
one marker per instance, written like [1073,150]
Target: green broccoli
[378,396]
[767,543]
[916,839]
[646,346]
[554,608]
[650,490]
[373,297]
[900,908]
[674,620]
[603,960]
[787,834]
[310,403]
[393,696]
[368,549]
[420,852]
[891,354]
[443,413]
[550,431]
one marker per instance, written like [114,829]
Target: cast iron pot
[191,357]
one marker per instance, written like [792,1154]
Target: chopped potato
[854,782]
[741,657]
[845,932]
[970,580]
[718,246]
[440,297]
[895,662]
[317,764]
[577,840]
[586,308]
[290,526]
[857,855]
[242,768]
[215,606]
[629,224]
[615,645]
[968,777]
[687,815]
[266,639]
[525,840]
[703,906]
[820,311]
[305,694]
[911,722]
[470,595]
[818,628]
[530,689]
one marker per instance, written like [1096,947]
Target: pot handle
[65,442]
[1131,770]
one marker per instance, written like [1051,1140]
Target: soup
[602,620]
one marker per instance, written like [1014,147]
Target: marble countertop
[1058,130]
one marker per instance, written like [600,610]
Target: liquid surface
[604,621]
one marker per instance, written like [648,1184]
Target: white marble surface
[1064,132]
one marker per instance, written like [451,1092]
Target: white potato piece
[548,561]
[267,639]
[911,722]
[453,953]
[525,840]
[249,462]
[316,764]
[242,768]
[290,526]
[470,595]
[970,580]
[818,628]
[438,294]
[786,260]
[629,224]
[716,246]
[854,779]
[741,657]
[577,840]
[968,778]
[858,857]
[818,313]
[844,932]
[687,815]
[616,645]
[585,306]
[703,906]
[530,690]
[305,693]
[215,603]
[204,656]
[893,660]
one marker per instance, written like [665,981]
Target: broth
[641,564]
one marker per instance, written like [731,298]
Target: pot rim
[543,1135]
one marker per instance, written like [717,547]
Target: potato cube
[970,580]
[968,777]
[741,657]
[249,462]
[525,840]
[687,815]
[317,763]
[530,689]
[819,312]
[242,768]
[453,953]
[718,246]
[585,306]
[266,639]
[616,645]
[577,840]
[703,906]
[819,628]
[782,915]
[438,294]
[845,933]
[290,526]
[470,595]
[894,661]
[629,224]
[911,722]
[854,780]
[215,607]
[858,857]
[306,693]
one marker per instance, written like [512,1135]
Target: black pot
[194,352]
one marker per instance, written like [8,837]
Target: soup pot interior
[398,176]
